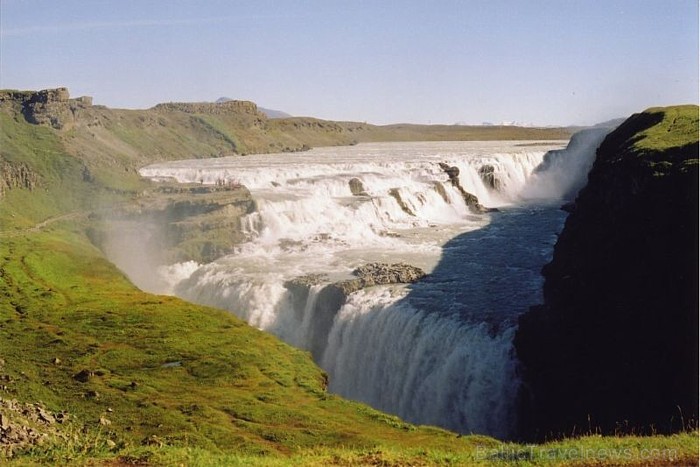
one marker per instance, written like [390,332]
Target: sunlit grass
[678,127]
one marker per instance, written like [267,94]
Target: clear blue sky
[535,61]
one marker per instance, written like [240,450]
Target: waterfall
[425,367]
[437,352]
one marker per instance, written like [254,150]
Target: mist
[563,172]
[135,248]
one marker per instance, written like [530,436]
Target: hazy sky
[533,61]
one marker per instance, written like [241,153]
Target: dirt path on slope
[42,225]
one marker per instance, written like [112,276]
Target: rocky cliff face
[16,175]
[51,107]
[176,223]
[614,347]
[219,108]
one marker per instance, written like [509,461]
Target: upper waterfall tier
[363,196]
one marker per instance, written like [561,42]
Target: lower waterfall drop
[421,366]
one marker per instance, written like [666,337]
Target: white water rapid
[435,352]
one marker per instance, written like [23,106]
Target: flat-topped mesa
[221,108]
[50,107]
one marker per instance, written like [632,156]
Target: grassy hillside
[79,337]
[114,376]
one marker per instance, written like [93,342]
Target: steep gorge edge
[614,346]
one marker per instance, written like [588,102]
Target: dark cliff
[614,347]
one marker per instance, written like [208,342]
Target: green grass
[678,127]
[218,130]
[677,450]
[59,185]
[232,388]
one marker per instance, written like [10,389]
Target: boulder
[357,188]
[83,375]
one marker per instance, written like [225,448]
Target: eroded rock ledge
[184,222]
[334,294]
[50,107]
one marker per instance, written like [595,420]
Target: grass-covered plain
[150,379]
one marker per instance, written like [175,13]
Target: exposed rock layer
[487,172]
[52,107]
[470,200]
[16,175]
[188,222]
[614,347]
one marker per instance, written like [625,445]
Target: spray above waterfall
[438,351]
[564,172]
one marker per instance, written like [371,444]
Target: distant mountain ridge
[269,113]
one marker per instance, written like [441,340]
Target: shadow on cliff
[614,347]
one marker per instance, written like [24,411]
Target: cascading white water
[416,351]
[428,367]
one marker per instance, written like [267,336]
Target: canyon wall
[614,346]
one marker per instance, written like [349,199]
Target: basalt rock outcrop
[487,172]
[220,108]
[614,346]
[51,107]
[357,188]
[396,194]
[16,175]
[372,274]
